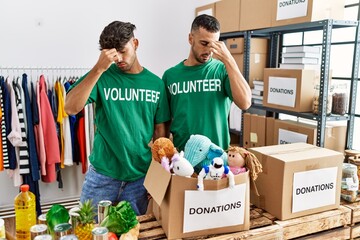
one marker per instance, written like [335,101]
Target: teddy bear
[239,160]
[162,151]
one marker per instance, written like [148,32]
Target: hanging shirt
[72,120]
[68,151]
[15,138]
[60,120]
[7,112]
[47,124]
[33,158]
[4,151]
[1,148]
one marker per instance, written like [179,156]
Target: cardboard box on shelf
[298,179]
[257,130]
[288,131]
[183,211]
[247,129]
[228,14]
[270,122]
[208,9]
[290,89]
[258,56]
[250,12]
[291,12]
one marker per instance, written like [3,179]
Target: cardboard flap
[156,181]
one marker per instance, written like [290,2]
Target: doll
[162,151]
[240,160]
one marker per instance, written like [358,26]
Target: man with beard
[130,110]
[200,88]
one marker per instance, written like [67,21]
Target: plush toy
[180,165]
[215,171]
[239,160]
[162,151]
[200,151]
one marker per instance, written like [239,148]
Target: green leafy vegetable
[120,219]
[56,215]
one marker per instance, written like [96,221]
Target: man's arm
[159,131]
[77,97]
[240,89]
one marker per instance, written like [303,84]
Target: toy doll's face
[235,159]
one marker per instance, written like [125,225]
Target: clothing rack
[47,71]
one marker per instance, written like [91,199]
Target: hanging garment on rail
[5,157]
[46,122]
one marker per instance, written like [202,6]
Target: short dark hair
[210,23]
[116,35]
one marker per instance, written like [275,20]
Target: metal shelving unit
[275,35]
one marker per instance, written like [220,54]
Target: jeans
[99,187]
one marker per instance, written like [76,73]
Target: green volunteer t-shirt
[127,106]
[199,99]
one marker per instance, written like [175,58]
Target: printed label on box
[314,189]
[287,9]
[286,137]
[282,91]
[214,209]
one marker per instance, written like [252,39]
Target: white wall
[54,33]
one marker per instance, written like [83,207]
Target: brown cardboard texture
[270,122]
[250,10]
[301,90]
[258,56]
[208,9]
[334,138]
[247,129]
[316,10]
[278,184]
[257,130]
[228,14]
[171,212]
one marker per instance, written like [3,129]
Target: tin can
[2,228]
[74,217]
[42,219]
[62,229]
[100,233]
[43,237]
[69,237]
[38,229]
[103,209]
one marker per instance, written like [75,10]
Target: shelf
[234,131]
[306,115]
[308,26]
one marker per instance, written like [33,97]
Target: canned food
[62,229]
[38,229]
[2,228]
[42,219]
[103,209]
[69,237]
[100,233]
[74,217]
[43,237]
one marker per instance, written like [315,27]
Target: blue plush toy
[200,151]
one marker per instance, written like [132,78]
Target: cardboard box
[228,14]
[208,9]
[290,89]
[287,131]
[258,56]
[287,12]
[257,130]
[250,12]
[297,180]
[183,208]
[247,129]
[270,122]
